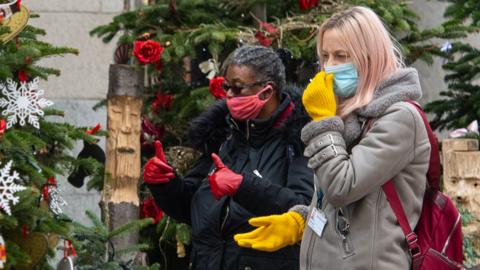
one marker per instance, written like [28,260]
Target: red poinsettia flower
[269,28]
[147,51]
[150,209]
[306,4]
[162,101]
[265,41]
[216,89]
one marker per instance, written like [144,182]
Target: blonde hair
[371,48]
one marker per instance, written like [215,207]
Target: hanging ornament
[209,67]
[3,253]
[35,246]
[51,194]
[22,103]
[90,150]
[123,53]
[15,16]
[446,48]
[8,187]
[66,263]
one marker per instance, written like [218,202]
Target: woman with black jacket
[253,165]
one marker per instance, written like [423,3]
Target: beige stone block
[84,76]
[112,6]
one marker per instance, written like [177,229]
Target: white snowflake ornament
[8,187]
[23,103]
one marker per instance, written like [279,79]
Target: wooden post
[120,200]
[461,179]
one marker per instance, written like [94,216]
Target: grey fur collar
[401,86]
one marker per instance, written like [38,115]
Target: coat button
[247,268]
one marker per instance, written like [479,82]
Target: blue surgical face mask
[345,79]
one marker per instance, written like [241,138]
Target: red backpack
[437,242]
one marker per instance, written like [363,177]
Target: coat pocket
[264,263]
[342,228]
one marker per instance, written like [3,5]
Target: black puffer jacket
[269,155]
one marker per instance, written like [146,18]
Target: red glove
[223,182]
[157,170]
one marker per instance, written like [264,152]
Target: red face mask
[243,108]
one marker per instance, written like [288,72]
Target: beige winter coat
[395,147]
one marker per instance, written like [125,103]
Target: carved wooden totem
[122,169]
[461,163]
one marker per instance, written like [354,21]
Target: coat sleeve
[386,149]
[175,196]
[261,197]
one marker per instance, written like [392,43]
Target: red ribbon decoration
[94,130]
[19,3]
[68,249]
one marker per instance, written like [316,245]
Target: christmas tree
[181,46]
[460,102]
[33,149]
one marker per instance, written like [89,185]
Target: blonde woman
[353,227]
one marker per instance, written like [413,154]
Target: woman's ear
[269,91]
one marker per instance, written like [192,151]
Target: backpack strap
[435,168]
[433,176]
[396,205]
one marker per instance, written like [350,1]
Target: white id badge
[317,221]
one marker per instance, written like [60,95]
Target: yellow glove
[318,98]
[273,233]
